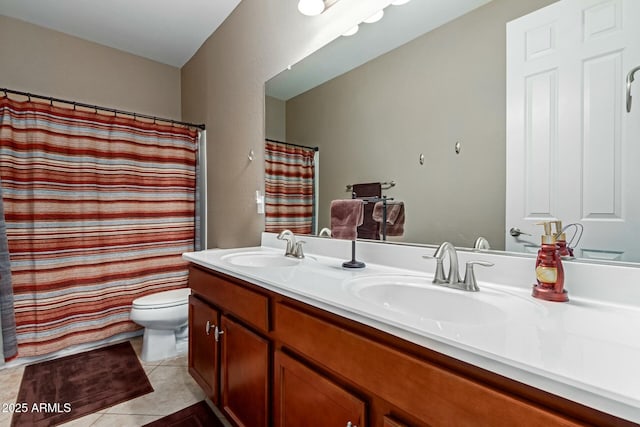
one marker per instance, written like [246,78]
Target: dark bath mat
[57,391]
[198,415]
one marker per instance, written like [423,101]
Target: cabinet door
[203,349]
[305,398]
[245,374]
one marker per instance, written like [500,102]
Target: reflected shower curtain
[98,211]
[289,188]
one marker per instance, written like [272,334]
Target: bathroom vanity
[278,341]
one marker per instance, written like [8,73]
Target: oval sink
[417,296]
[260,259]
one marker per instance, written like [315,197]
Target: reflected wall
[374,122]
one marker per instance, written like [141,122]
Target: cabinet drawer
[244,303]
[424,390]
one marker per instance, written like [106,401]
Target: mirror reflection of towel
[369,228]
[395,217]
[346,216]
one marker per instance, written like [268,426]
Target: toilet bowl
[164,316]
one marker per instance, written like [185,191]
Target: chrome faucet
[454,275]
[481,243]
[293,249]
[325,232]
[452,280]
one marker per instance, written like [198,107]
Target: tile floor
[174,389]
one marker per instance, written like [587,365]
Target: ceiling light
[352,31]
[399,2]
[311,7]
[375,17]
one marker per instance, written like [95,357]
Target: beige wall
[45,62]
[275,119]
[224,85]
[422,98]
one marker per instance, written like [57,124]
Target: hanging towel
[395,217]
[346,216]
[369,228]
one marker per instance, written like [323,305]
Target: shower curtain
[7,317]
[289,187]
[98,210]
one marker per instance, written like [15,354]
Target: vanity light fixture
[311,7]
[375,17]
[370,20]
[351,31]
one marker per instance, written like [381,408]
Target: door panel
[305,398]
[203,351]
[245,374]
[571,147]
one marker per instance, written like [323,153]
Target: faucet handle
[438,277]
[470,283]
[297,249]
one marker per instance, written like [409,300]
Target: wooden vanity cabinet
[426,391]
[244,374]
[303,397]
[228,358]
[203,349]
[387,421]
[284,363]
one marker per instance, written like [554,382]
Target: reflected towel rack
[384,185]
[385,203]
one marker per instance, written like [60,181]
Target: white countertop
[584,350]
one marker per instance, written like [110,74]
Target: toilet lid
[163,299]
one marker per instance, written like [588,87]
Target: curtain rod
[97,107]
[294,145]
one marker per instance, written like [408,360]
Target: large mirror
[427,112]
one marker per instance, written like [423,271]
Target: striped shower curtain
[289,188]
[98,211]
[7,317]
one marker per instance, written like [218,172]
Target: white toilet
[164,316]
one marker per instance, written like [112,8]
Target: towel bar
[383,185]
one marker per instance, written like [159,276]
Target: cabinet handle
[207,327]
[350,424]
[217,332]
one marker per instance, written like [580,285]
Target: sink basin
[416,296]
[260,259]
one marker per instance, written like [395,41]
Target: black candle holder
[353,263]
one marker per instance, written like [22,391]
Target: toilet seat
[163,299]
